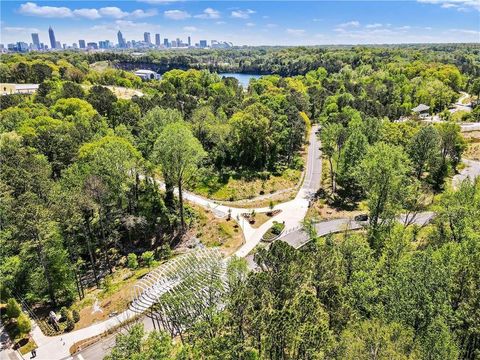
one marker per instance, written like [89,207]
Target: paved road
[299,238]
[471,171]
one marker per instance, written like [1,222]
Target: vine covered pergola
[182,291]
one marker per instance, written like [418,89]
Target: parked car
[361,217]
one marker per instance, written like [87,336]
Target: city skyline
[246,23]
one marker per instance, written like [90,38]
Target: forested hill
[286,61]
[297,61]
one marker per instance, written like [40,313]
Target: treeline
[414,297]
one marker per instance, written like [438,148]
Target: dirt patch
[320,210]
[213,231]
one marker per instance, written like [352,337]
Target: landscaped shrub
[23,324]
[70,324]
[148,257]
[64,313]
[132,262]
[75,316]
[13,309]
[277,228]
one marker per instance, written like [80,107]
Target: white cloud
[449,5]
[176,14]
[353,23]
[190,28]
[139,13]
[466,32]
[220,22]
[91,14]
[16,29]
[271,26]
[295,32]
[373,26]
[209,13]
[242,14]
[461,5]
[113,11]
[250,24]
[32,9]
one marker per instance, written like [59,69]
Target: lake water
[243,79]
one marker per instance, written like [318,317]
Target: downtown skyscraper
[51,35]
[35,41]
[121,40]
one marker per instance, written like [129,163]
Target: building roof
[146,72]
[420,108]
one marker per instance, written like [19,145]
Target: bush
[132,262]
[23,324]
[147,258]
[70,324]
[277,228]
[13,309]
[75,316]
[64,313]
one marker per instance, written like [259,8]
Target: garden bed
[274,232]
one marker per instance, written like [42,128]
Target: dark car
[361,217]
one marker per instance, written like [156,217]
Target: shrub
[23,324]
[75,316]
[70,324]
[277,228]
[147,258]
[64,313]
[13,309]
[132,262]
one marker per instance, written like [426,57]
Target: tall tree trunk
[332,175]
[180,198]
[104,242]
[41,257]
[90,253]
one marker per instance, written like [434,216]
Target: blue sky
[246,22]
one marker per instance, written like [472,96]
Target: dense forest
[79,164]
[413,297]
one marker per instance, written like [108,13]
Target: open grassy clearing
[213,231]
[238,188]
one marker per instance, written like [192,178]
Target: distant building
[104,44]
[36,41]
[146,37]
[147,75]
[7,89]
[58,45]
[22,46]
[51,35]
[203,43]
[189,41]
[121,40]
[158,41]
[165,42]
[92,45]
[81,44]
[421,110]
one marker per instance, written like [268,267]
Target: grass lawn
[238,188]
[260,219]
[473,148]
[213,231]
[114,296]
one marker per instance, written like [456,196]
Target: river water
[243,79]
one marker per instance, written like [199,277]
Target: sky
[246,22]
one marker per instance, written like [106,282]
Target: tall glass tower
[121,40]
[51,34]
